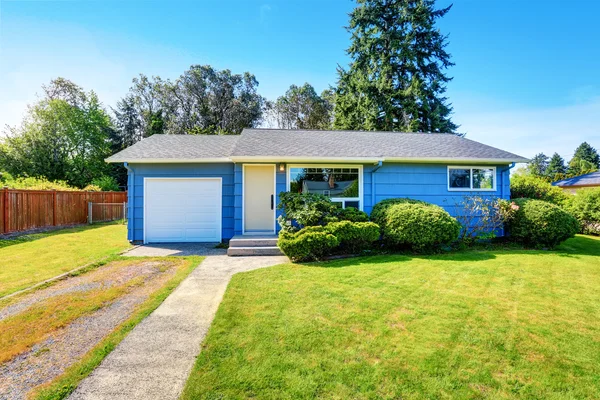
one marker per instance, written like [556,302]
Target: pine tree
[396,79]
[587,153]
[556,169]
[538,165]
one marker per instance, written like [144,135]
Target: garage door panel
[183,210]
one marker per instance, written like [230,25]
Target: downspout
[379,164]
[502,179]
[130,203]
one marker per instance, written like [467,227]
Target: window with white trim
[472,178]
[341,184]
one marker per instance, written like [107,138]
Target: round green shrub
[310,243]
[585,206]
[419,227]
[352,214]
[541,224]
[378,214]
[354,237]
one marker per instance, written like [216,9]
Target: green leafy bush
[352,214]
[33,183]
[354,237]
[532,187]
[585,206]
[378,214]
[541,224]
[306,209]
[419,227]
[308,244]
[106,183]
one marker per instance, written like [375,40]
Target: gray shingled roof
[180,147]
[591,179]
[286,145]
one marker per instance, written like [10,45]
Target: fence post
[89,212]
[6,209]
[54,207]
[124,212]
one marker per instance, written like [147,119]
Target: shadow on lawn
[578,246]
[30,236]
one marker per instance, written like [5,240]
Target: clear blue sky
[526,77]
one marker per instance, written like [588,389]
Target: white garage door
[182,210]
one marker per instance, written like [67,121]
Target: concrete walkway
[155,359]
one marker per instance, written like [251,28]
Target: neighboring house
[590,180]
[186,188]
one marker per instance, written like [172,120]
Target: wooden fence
[22,210]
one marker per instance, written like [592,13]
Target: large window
[341,184]
[472,178]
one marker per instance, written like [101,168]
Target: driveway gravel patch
[49,358]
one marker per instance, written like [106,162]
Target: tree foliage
[65,136]
[538,165]
[202,100]
[396,79]
[587,153]
[556,169]
[302,108]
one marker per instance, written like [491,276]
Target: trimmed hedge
[541,224]
[354,237]
[585,206]
[352,214]
[419,226]
[310,243]
[315,242]
[378,214]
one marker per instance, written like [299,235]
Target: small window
[471,178]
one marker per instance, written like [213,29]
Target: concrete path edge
[156,358]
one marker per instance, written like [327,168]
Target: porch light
[281,167]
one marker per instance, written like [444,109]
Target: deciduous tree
[302,108]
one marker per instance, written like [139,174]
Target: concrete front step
[253,242]
[254,251]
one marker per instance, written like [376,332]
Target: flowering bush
[482,217]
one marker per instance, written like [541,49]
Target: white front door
[259,199]
[182,210]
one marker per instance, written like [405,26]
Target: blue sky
[526,76]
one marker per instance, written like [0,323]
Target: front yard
[55,335]
[31,259]
[478,324]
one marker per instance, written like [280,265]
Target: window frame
[343,200]
[471,168]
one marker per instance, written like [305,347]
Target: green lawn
[34,258]
[478,324]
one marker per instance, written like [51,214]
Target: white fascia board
[169,160]
[287,159]
[448,160]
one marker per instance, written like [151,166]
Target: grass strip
[65,384]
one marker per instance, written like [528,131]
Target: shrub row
[584,205]
[315,242]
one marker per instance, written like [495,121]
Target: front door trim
[244,200]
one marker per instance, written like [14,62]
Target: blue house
[186,188]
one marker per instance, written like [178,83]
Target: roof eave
[455,160]
[168,160]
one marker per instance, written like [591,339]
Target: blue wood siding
[224,171]
[427,182]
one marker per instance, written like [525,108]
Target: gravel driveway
[51,357]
